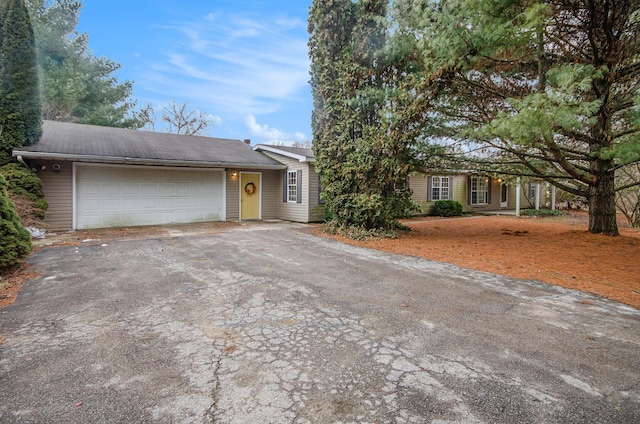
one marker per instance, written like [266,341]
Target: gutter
[19,154]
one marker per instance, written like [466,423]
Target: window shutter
[285,194]
[450,188]
[299,186]
[469,189]
[429,189]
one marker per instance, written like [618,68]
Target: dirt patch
[556,250]
[11,284]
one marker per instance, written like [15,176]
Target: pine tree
[77,86]
[543,89]
[20,106]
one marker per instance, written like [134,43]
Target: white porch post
[553,198]
[518,196]
[537,196]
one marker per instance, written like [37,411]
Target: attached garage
[98,177]
[119,196]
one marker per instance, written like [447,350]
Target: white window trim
[444,193]
[478,191]
[292,196]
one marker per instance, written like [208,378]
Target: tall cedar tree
[363,168]
[20,106]
[545,89]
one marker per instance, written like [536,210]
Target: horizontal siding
[419,185]
[270,194]
[58,191]
[316,210]
[298,212]
[233,196]
[269,191]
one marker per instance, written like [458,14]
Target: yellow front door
[250,194]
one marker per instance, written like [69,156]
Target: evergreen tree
[15,241]
[545,89]
[363,167]
[77,86]
[20,107]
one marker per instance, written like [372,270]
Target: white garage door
[128,196]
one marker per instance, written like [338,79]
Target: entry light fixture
[234,173]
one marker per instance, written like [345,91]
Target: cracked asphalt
[268,323]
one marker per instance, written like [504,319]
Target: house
[97,177]
[475,192]
[305,204]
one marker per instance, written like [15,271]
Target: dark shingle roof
[61,140]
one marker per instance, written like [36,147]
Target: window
[479,190]
[292,186]
[532,191]
[440,188]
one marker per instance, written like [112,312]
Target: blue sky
[245,63]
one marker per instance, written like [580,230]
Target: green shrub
[24,182]
[15,241]
[447,208]
[542,212]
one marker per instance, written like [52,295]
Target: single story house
[97,177]
[476,192]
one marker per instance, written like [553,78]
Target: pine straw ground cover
[554,250]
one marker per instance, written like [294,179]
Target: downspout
[19,158]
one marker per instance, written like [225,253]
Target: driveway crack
[213,409]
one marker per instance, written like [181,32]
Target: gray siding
[292,211]
[233,196]
[308,210]
[58,191]
[316,210]
[270,192]
[271,195]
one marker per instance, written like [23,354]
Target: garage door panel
[127,196]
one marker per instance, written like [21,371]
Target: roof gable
[66,141]
[300,153]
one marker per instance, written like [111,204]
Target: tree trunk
[602,203]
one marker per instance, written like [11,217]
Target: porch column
[537,196]
[553,198]
[518,196]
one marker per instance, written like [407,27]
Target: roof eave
[142,161]
[275,150]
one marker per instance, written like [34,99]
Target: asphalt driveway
[267,323]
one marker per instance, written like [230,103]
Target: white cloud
[215,120]
[233,65]
[268,135]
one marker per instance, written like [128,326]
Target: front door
[504,195]
[250,194]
